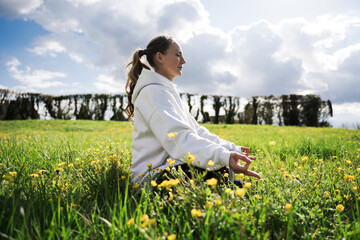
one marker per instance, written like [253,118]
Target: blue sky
[232,47]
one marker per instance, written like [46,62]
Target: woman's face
[170,64]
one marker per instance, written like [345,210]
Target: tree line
[298,110]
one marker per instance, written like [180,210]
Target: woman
[157,110]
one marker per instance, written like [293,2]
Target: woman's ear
[159,57]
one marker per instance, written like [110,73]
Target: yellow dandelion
[326,195]
[337,191]
[240,192]
[171,237]
[228,190]
[355,188]
[70,165]
[153,183]
[282,169]
[208,205]
[241,175]
[13,173]
[149,165]
[304,159]
[191,157]
[358,169]
[210,163]
[226,174]
[136,185]
[61,164]
[288,207]
[141,175]
[346,197]
[247,185]
[218,202]
[272,143]
[34,175]
[340,208]
[257,196]
[196,212]
[212,181]
[123,177]
[171,196]
[172,134]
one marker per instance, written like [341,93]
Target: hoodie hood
[148,77]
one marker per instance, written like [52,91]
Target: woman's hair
[158,44]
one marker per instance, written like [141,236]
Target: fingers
[238,168]
[245,150]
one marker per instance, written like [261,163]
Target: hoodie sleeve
[167,116]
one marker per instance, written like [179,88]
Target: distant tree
[205,115]
[231,106]
[217,105]
[255,103]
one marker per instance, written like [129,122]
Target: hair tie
[142,52]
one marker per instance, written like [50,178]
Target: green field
[70,180]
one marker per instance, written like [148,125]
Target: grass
[70,180]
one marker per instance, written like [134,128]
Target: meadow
[71,180]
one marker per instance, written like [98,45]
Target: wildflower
[34,175]
[304,159]
[326,195]
[191,157]
[337,191]
[58,170]
[282,169]
[358,198]
[241,176]
[141,175]
[144,218]
[358,169]
[13,173]
[153,183]
[169,183]
[226,174]
[171,237]
[171,196]
[210,163]
[136,185]
[196,213]
[346,197]
[348,162]
[172,134]
[354,188]
[123,177]
[247,185]
[212,181]
[149,165]
[349,178]
[218,202]
[70,165]
[257,196]
[208,205]
[61,164]
[152,221]
[340,207]
[171,162]
[228,190]
[288,207]
[272,143]
[240,192]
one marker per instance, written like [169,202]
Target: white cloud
[50,48]
[109,84]
[31,79]
[346,115]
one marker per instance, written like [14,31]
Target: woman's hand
[238,168]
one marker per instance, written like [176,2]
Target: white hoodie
[158,110]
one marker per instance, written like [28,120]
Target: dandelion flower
[226,174]
[326,195]
[61,164]
[172,134]
[355,188]
[149,165]
[171,196]
[340,208]
[153,183]
[241,175]
[272,143]
[358,169]
[211,163]
[34,175]
[337,191]
[288,207]
[240,192]
[191,157]
[346,197]
[171,237]
[218,202]
[247,185]
[228,190]
[70,165]
[304,159]
[196,213]
[212,181]
[208,205]
[13,173]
